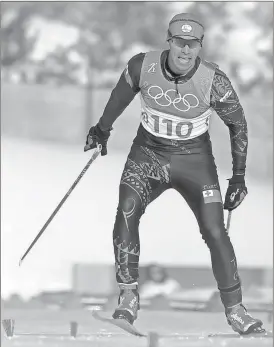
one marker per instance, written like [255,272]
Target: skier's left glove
[97,136]
[236,192]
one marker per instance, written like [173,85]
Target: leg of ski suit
[145,177]
[195,178]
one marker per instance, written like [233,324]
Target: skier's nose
[185,49]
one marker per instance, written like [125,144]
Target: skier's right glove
[97,136]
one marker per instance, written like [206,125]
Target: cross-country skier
[172,149]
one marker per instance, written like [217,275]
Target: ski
[259,334]
[120,323]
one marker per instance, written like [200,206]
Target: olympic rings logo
[181,103]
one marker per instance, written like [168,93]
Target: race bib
[172,127]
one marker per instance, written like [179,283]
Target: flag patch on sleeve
[212,195]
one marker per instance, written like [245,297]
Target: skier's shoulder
[210,64]
[219,74]
[135,62]
[134,66]
[137,59]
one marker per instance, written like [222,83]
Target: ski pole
[228,221]
[93,157]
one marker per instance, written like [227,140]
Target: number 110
[169,127]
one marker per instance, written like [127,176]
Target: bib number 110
[182,129]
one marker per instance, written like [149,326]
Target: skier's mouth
[184,60]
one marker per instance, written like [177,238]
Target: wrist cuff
[237,179]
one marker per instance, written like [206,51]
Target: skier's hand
[97,136]
[236,192]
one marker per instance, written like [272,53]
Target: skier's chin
[184,65]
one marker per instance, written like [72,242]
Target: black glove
[97,136]
[236,192]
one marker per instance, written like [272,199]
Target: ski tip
[20,262]
[119,322]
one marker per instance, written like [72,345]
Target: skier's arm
[225,102]
[121,96]
[123,93]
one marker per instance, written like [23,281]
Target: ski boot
[242,322]
[128,303]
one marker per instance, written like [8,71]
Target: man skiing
[172,149]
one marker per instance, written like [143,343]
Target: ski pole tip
[20,262]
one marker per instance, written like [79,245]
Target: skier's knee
[130,206]
[214,234]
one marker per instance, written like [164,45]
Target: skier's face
[183,54]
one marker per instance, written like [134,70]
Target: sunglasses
[180,42]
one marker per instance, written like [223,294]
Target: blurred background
[60,61]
